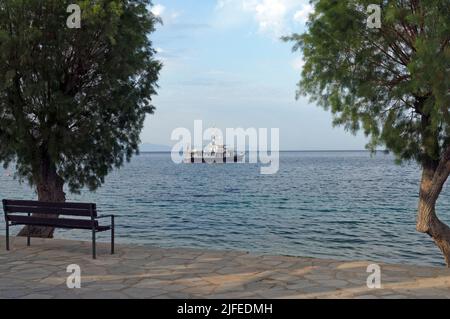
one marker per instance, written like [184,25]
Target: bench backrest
[62,209]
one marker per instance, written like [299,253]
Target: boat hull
[214,159]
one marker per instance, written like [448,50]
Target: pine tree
[73,100]
[393,83]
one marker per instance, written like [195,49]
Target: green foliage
[76,98]
[393,83]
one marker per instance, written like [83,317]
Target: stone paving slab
[142,271]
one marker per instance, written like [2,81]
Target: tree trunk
[433,179]
[49,187]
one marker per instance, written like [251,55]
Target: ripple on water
[343,205]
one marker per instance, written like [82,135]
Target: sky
[224,64]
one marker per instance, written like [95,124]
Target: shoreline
[144,271]
[130,242]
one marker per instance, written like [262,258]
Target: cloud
[189,26]
[270,14]
[158,10]
[168,16]
[175,15]
[273,17]
[222,4]
[303,14]
[298,64]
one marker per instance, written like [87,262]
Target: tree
[73,100]
[393,83]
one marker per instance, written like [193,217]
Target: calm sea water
[343,205]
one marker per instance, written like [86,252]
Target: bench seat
[57,222]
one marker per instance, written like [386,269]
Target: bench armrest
[104,216]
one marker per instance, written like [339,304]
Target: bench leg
[112,235]
[28,234]
[94,254]
[7,235]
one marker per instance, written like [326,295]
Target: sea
[338,205]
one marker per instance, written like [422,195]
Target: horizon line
[287,151]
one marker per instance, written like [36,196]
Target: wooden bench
[19,212]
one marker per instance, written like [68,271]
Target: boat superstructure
[214,152]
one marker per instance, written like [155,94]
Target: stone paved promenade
[149,272]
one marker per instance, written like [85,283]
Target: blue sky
[225,64]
